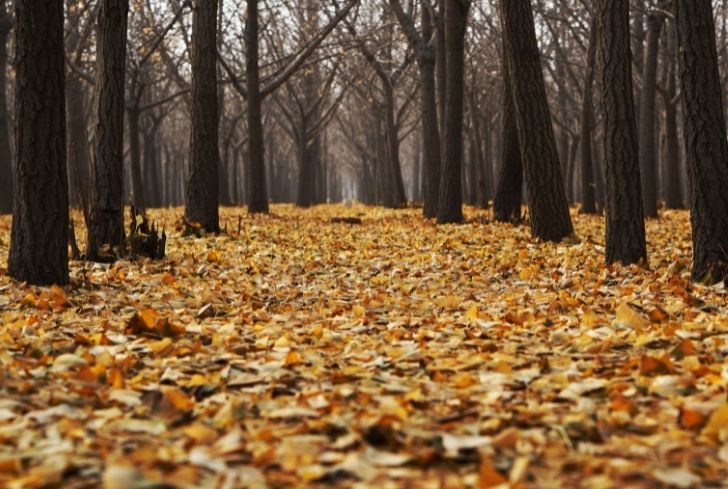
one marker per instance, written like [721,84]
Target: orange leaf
[179,399]
[690,419]
[488,476]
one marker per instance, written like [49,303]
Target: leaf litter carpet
[297,352]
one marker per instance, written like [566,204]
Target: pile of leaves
[302,352]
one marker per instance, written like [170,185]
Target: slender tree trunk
[202,186]
[705,138]
[647,139]
[588,204]
[450,207]
[106,221]
[673,187]
[39,236]
[507,201]
[79,166]
[549,209]
[625,230]
[399,197]
[430,137]
[135,158]
[6,166]
[256,190]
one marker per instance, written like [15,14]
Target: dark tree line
[499,103]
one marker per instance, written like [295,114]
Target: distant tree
[450,204]
[648,113]
[423,44]
[705,138]
[549,209]
[39,236]
[625,229]
[202,185]
[106,222]
[588,198]
[6,168]
[508,195]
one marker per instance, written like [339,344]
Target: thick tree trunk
[625,230]
[647,139]
[588,204]
[39,236]
[550,219]
[705,138]
[106,220]
[6,166]
[256,189]
[201,205]
[450,206]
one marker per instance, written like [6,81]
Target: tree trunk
[106,220]
[135,158]
[256,189]
[705,138]
[201,204]
[588,204]
[39,236]
[79,166]
[6,167]
[673,190]
[507,200]
[430,136]
[550,219]
[625,230]
[647,139]
[450,206]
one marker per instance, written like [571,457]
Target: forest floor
[299,352]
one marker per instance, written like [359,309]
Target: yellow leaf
[717,427]
[472,313]
[627,316]
[179,399]
[463,380]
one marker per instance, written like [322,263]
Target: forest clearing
[396,353]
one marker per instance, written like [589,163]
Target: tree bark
[647,139]
[588,204]
[39,236]
[450,206]
[550,219]
[6,166]
[705,138]
[106,220]
[256,190]
[508,195]
[625,230]
[201,204]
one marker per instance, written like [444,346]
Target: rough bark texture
[256,191]
[202,187]
[450,204]
[508,195]
[705,138]
[625,229]
[106,220]
[6,167]
[39,239]
[547,203]
[588,203]
[647,139]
